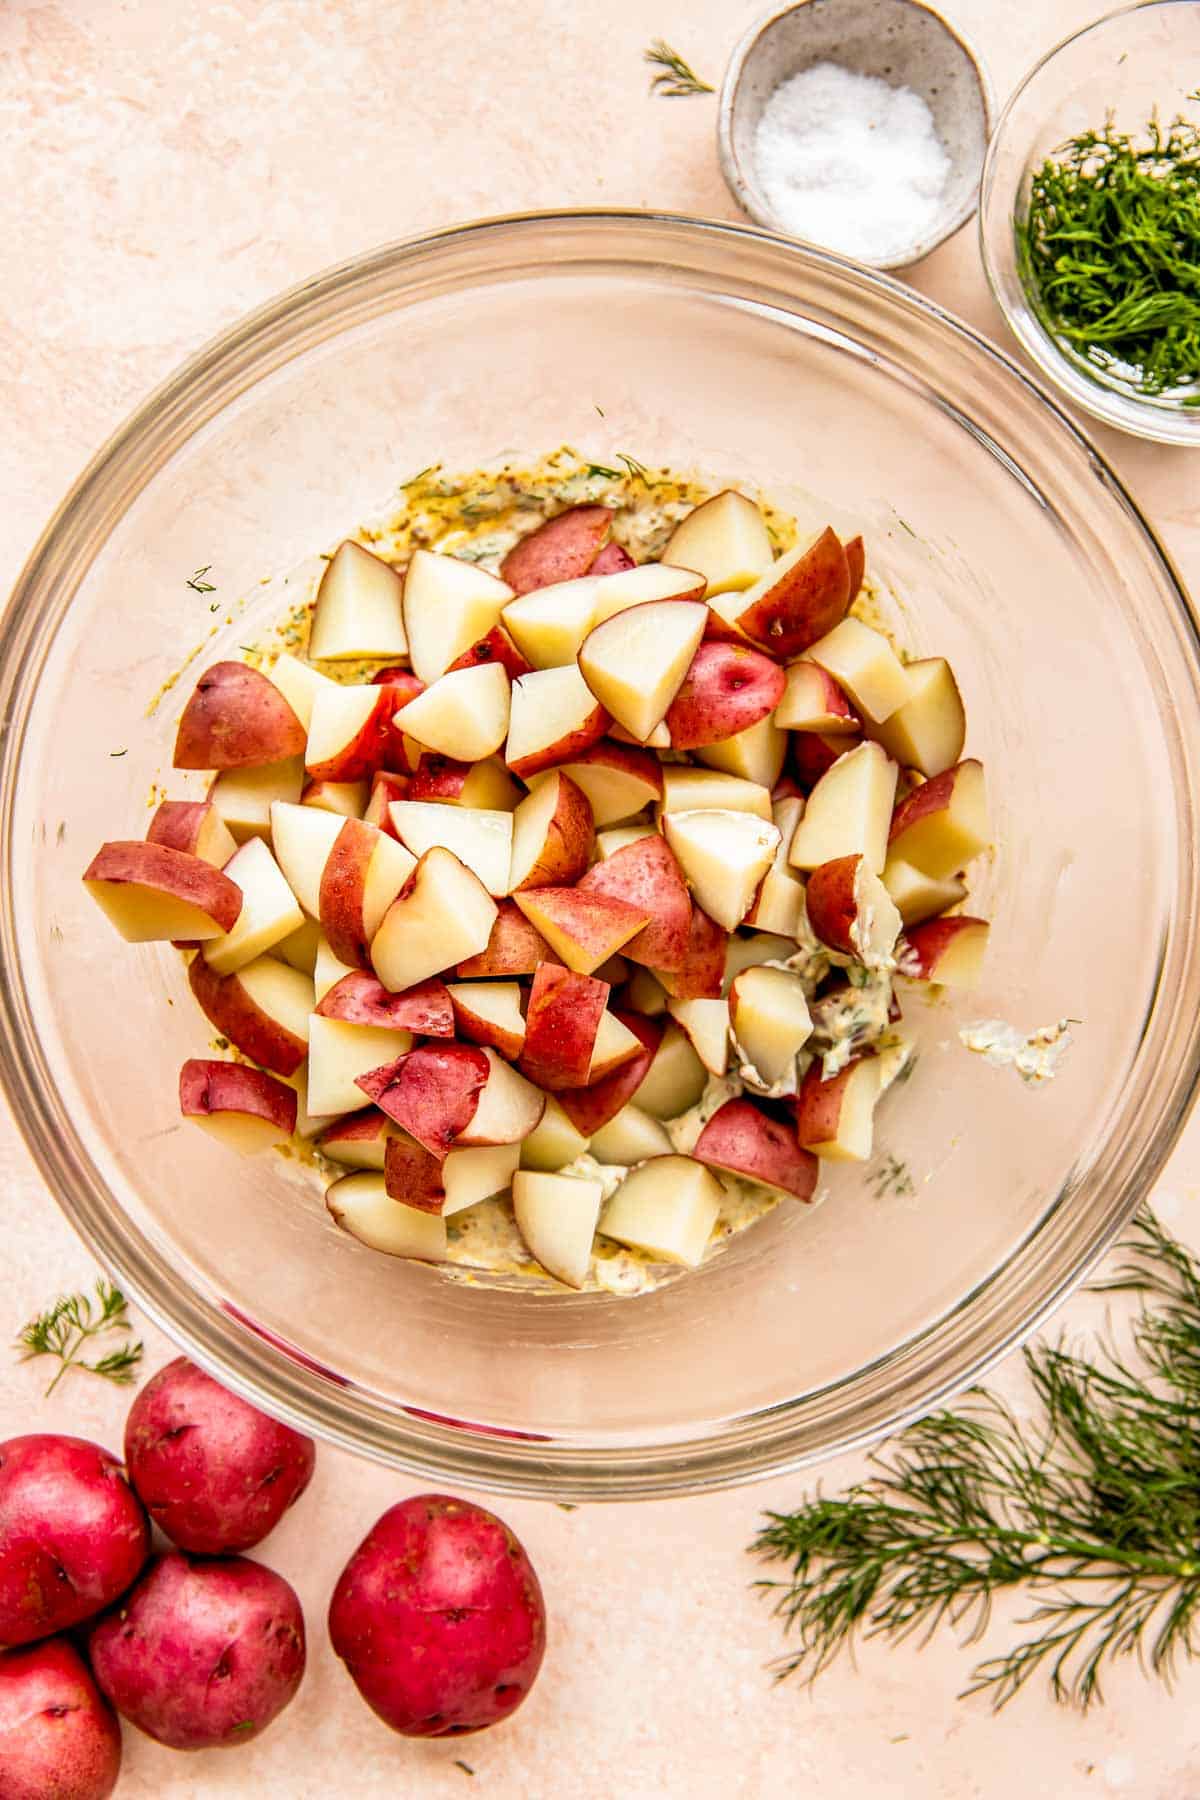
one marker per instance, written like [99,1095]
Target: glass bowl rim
[292,1387]
[1110,405]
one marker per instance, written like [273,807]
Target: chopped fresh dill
[71,1322]
[1110,250]
[1092,1512]
[637,471]
[891,1177]
[430,469]
[124,752]
[601,472]
[598,408]
[198,583]
[464,1766]
[676,79]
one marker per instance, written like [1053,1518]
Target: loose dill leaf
[197,582]
[1093,1513]
[1110,250]
[600,472]
[891,1177]
[464,1766]
[73,1321]
[124,752]
[676,79]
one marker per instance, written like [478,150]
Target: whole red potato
[72,1535]
[201,1655]
[213,1472]
[439,1618]
[58,1739]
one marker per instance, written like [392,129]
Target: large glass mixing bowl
[1001,539]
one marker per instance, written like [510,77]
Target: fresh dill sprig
[676,79]
[1110,249]
[197,582]
[1093,1513]
[636,471]
[73,1321]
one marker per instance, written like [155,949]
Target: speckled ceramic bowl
[898,41]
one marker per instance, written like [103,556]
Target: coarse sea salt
[846,161]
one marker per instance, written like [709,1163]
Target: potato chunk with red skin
[439,1618]
[562,549]
[727,689]
[236,717]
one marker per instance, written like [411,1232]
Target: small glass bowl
[1124,68]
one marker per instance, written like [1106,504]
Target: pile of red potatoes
[438,1615]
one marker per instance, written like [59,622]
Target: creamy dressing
[1036,1056]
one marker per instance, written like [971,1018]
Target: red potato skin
[646,875]
[343,883]
[385,787]
[236,717]
[406,684]
[439,1618]
[831,902]
[561,1022]
[856,564]
[353,1128]
[924,945]
[817,1107]
[727,689]
[208,1086]
[59,1740]
[927,797]
[432,1092]
[632,759]
[805,603]
[359,999]
[214,1473]
[614,559]
[412,1175]
[393,755]
[478,1030]
[746,1141]
[438,778]
[813,752]
[590,1108]
[560,550]
[567,749]
[591,919]
[363,755]
[515,947]
[178,824]
[226,1004]
[201,1654]
[174,871]
[702,976]
[72,1535]
[568,842]
[496,647]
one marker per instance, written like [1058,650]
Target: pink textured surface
[167,168]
